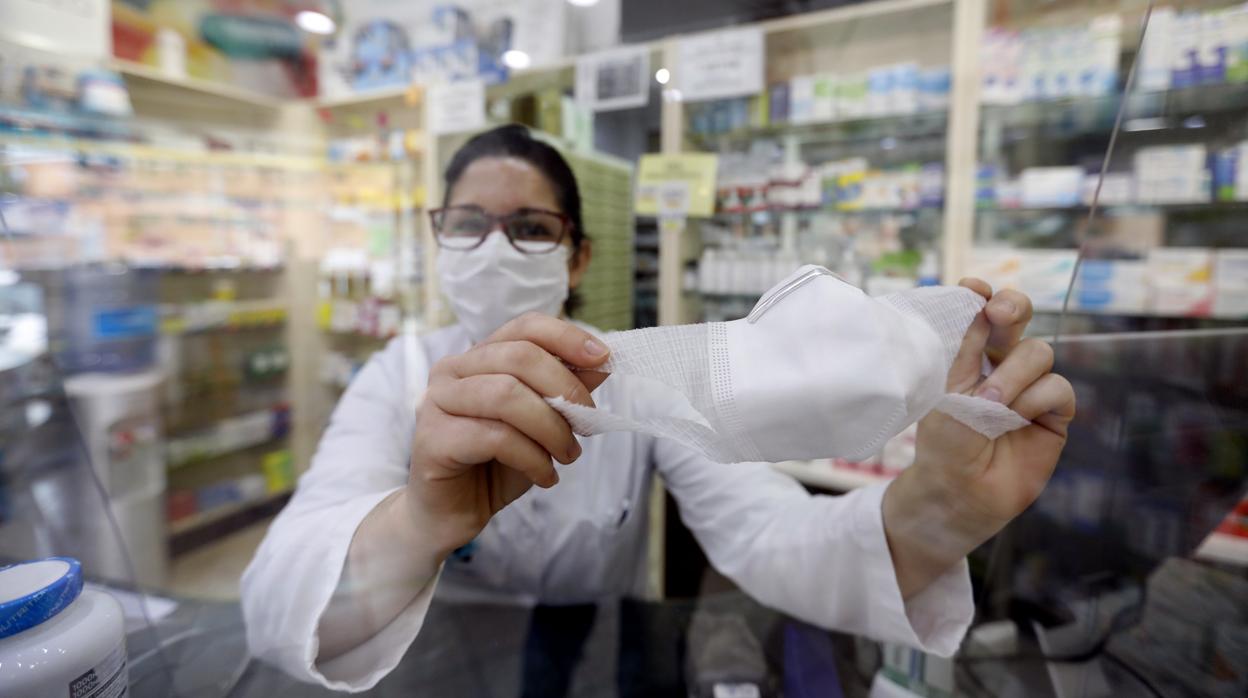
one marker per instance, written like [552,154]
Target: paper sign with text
[720,65]
[455,107]
[617,79]
[696,170]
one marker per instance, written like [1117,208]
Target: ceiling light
[314,22]
[583,3]
[1196,121]
[662,75]
[516,60]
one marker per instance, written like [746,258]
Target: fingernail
[574,452]
[1009,307]
[988,392]
[595,348]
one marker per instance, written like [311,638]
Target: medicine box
[1180,281]
[1044,275]
[1052,187]
[1230,280]
[1112,286]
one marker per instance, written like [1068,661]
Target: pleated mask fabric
[819,369]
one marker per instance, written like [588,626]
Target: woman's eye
[529,230]
[469,226]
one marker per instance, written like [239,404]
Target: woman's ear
[578,263]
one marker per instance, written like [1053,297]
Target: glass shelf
[1226,207]
[900,127]
[827,211]
[1163,110]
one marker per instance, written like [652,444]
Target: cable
[1122,621]
[1135,673]
[980,687]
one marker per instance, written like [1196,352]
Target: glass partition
[233,389]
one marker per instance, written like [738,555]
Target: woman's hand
[484,433]
[964,488]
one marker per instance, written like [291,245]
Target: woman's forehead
[503,184]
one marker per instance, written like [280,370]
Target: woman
[340,586]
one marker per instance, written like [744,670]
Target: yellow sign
[696,170]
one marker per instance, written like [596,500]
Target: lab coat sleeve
[361,459]
[820,558]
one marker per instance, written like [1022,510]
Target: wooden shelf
[145,73]
[204,518]
[370,98]
[826,476]
[205,457]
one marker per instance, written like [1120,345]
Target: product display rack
[1166,251]
[818,165]
[925,188]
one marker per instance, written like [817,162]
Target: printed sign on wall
[455,107]
[618,79]
[720,65]
[695,171]
[385,43]
[78,28]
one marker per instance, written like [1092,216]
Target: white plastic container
[57,639]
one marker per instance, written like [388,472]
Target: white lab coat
[823,559]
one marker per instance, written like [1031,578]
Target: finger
[965,371]
[1009,312]
[473,441]
[977,285]
[1049,402]
[504,397]
[1025,364]
[534,366]
[561,338]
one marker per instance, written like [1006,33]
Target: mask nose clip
[779,293]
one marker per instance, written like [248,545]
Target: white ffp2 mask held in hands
[819,369]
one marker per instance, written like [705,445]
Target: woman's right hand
[484,432]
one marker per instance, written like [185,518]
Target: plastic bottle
[57,638]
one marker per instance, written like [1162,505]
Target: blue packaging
[986,186]
[932,185]
[131,322]
[1225,168]
[778,102]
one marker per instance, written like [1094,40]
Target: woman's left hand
[964,488]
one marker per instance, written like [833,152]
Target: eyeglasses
[530,230]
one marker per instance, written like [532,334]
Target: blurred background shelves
[140,73]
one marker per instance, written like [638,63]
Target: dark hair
[515,141]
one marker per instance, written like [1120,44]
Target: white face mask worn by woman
[489,285]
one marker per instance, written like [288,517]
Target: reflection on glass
[193,295]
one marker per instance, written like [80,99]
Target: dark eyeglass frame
[438,215]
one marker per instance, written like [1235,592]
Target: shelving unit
[137,72]
[972,131]
[830,155]
[206,518]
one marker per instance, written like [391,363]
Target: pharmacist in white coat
[438,443]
